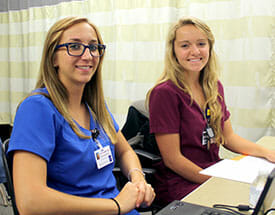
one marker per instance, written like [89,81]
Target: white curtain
[134,32]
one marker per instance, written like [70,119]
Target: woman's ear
[55,64]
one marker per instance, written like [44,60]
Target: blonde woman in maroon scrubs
[188,114]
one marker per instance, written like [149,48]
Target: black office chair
[8,170]
[136,132]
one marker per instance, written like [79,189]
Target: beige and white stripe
[135,33]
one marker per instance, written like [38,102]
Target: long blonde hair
[208,77]
[93,91]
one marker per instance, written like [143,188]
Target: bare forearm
[240,145]
[176,161]
[49,201]
[132,169]
[128,159]
[187,169]
[128,162]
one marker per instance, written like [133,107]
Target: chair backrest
[137,125]
[3,178]
[7,164]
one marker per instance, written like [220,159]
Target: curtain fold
[135,32]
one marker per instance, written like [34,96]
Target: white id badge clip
[103,156]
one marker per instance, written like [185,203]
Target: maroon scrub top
[171,111]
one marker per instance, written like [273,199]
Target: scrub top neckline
[93,124]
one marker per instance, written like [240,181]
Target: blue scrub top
[71,167]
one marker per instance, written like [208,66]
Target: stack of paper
[245,169]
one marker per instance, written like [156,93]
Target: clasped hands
[134,195]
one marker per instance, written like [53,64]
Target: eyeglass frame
[100,46]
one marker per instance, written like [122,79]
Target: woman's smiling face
[191,48]
[77,70]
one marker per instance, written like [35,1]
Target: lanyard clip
[95,133]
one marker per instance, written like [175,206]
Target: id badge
[210,132]
[103,157]
[205,138]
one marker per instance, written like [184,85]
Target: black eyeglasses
[78,49]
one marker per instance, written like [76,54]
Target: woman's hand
[134,195]
[270,155]
[127,197]
[146,194]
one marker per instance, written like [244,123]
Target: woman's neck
[196,88]
[75,94]
[78,109]
[193,79]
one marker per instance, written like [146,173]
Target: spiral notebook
[265,201]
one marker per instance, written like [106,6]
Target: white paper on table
[243,170]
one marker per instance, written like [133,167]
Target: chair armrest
[136,141]
[152,157]
[148,171]
[117,170]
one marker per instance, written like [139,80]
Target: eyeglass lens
[77,49]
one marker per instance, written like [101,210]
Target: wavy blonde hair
[208,77]
[93,91]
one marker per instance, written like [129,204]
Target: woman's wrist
[135,173]
[117,204]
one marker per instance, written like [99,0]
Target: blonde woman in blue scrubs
[65,140]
